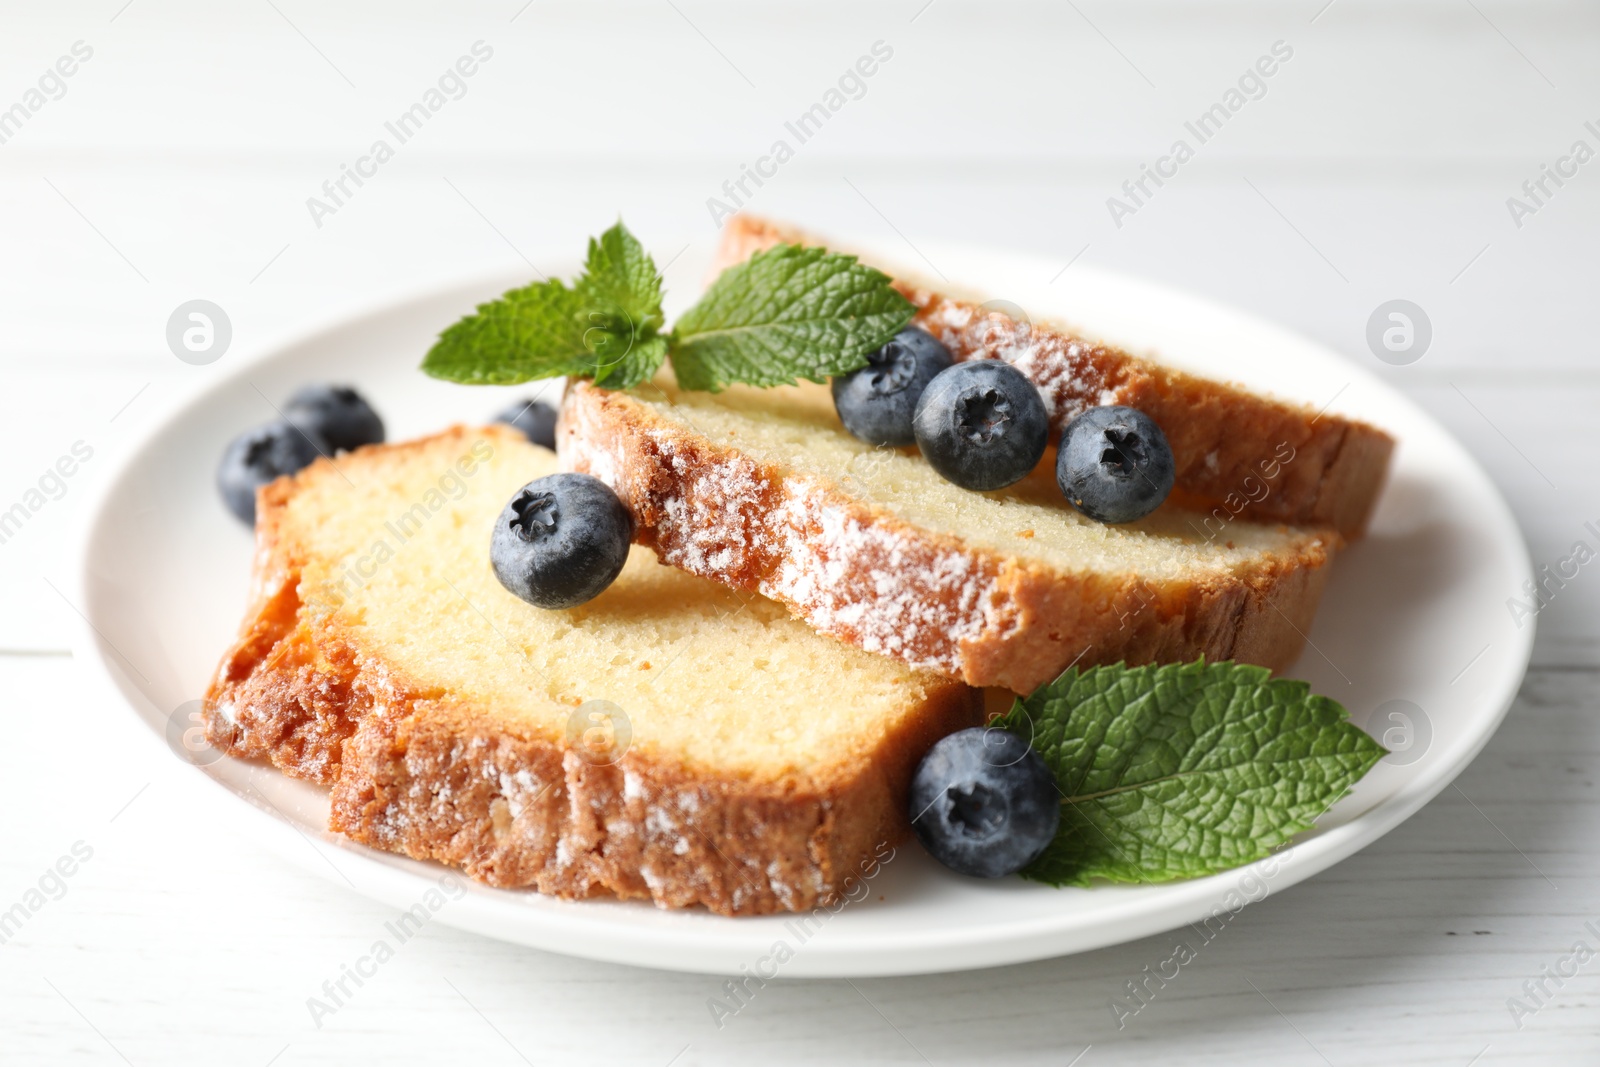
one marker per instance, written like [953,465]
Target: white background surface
[1376,166]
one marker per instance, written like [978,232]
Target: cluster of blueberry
[317,421]
[560,542]
[983,425]
[322,419]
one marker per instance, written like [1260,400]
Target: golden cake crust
[1223,437]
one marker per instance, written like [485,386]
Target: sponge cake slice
[764,490]
[744,762]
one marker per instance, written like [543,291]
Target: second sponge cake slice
[1223,436]
[763,490]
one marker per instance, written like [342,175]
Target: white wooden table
[176,161]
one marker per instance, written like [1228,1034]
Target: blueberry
[340,414]
[983,803]
[535,418]
[981,424]
[561,541]
[876,402]
[1114,464]
[257,456]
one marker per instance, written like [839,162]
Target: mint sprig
[1183,770]
[621,290]
[787,313]
[537,331]
[603,327]
[620,274]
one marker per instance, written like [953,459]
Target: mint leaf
[622,291]
[619,365]
[605,327]
[620,276]
[786,313]
[537,331]
[1183,770]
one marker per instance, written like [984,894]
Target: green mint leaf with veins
[624,361]
[622,289]
[538,331]
[605,326]
[619,274]
[786,313]
[1183,770]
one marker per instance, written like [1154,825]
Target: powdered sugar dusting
[1063,367]
[871,584]
[792,537]
[720,502]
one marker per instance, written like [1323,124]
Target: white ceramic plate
[1414,613]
